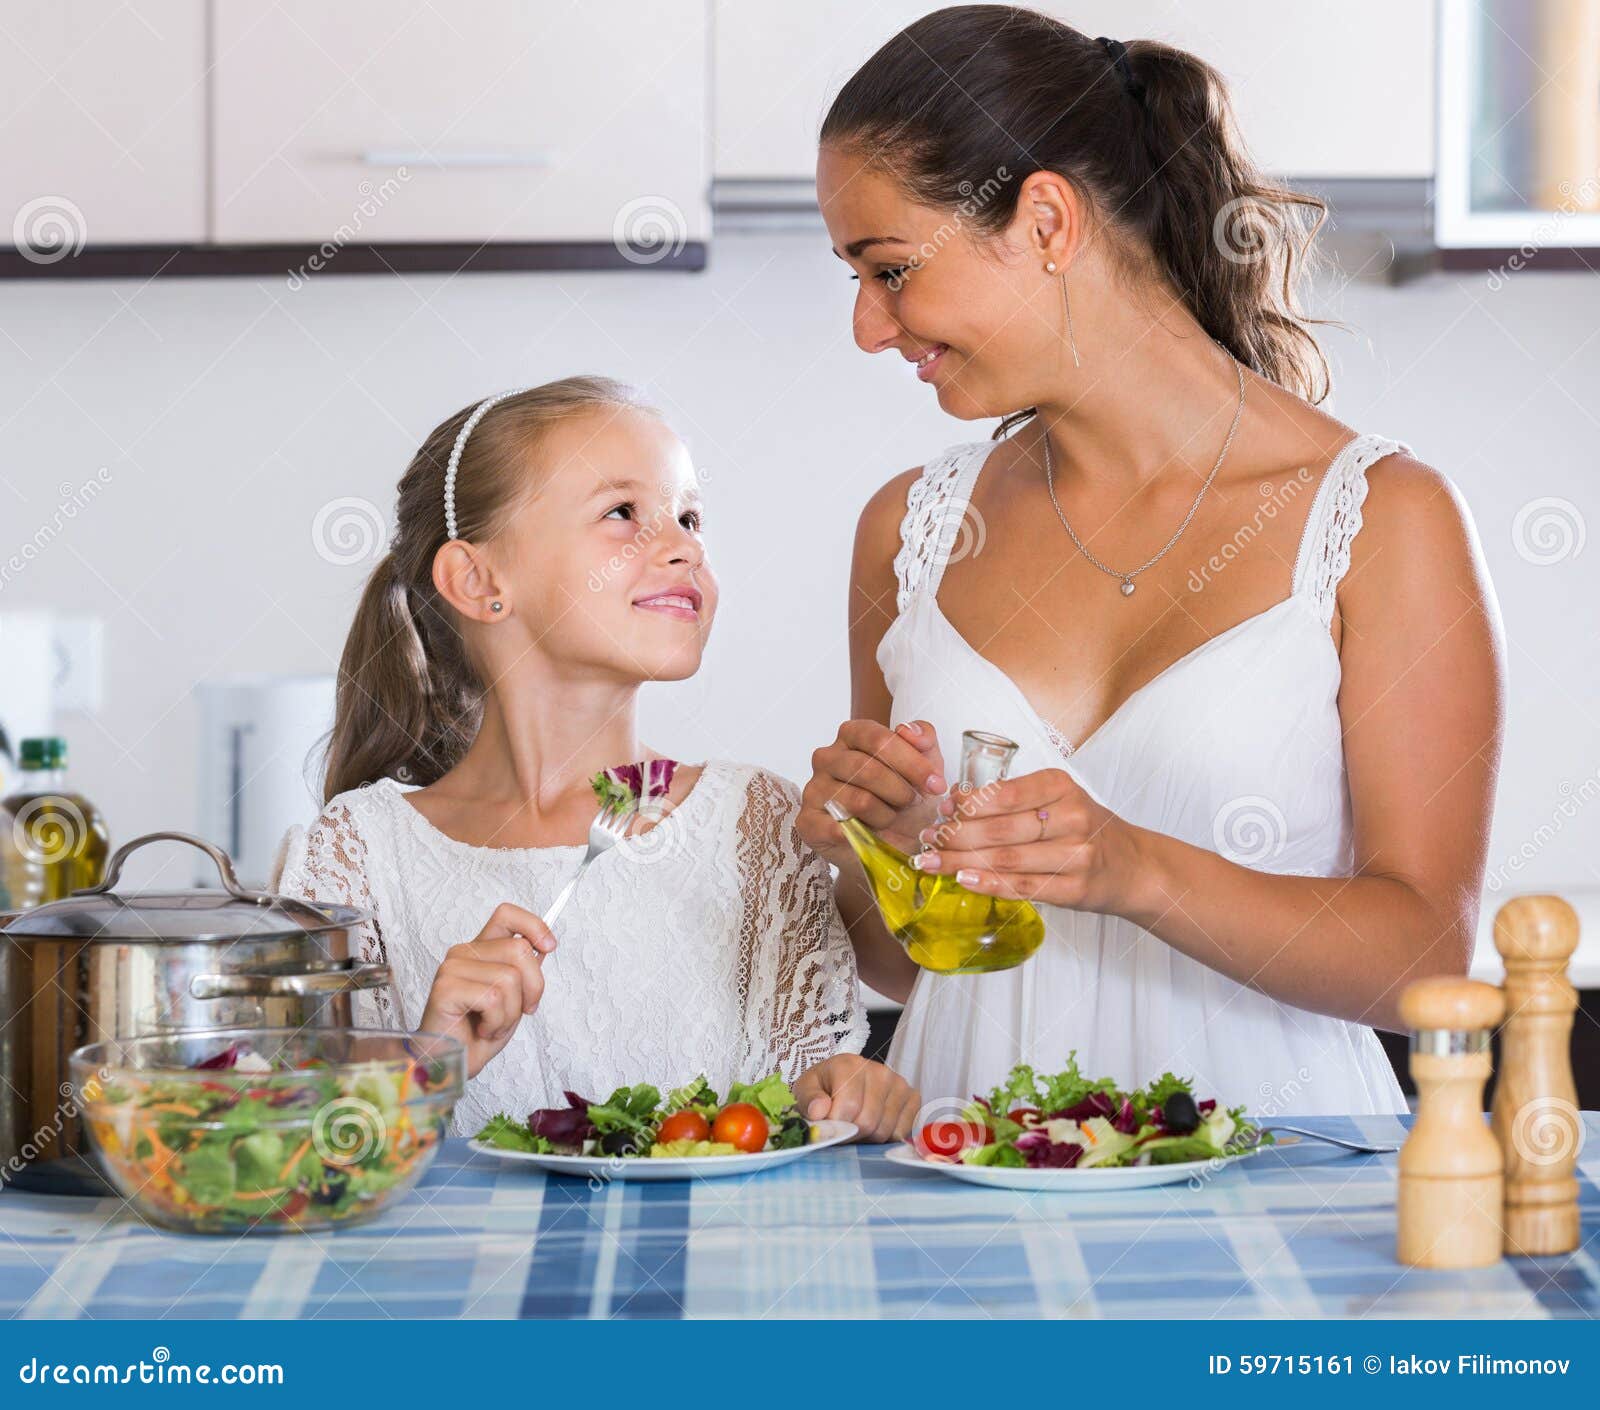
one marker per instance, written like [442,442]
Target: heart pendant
[1127,587]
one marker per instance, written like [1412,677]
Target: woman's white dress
[1237,748]
[710,943]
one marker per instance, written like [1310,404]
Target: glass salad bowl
[267,1129]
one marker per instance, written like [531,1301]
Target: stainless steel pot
[99,965]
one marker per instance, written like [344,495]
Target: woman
[1251,656]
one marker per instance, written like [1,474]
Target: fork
[607,829]
[1359,1147]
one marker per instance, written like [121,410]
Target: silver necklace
[1083,548]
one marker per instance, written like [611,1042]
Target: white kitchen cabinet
[381,121]
[102,123]
[1321,91]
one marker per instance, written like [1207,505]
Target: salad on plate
[637,1122]
[1067,1121]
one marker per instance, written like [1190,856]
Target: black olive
[619,1143]
[1180,1114]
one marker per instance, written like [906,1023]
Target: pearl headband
[478,413]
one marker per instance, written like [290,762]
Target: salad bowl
[266,1129]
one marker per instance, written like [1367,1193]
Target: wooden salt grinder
[1451,1177]
[1535,1100]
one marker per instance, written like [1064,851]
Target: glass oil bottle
[943,926]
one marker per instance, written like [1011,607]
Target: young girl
[547,559]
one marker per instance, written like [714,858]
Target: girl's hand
[1038,837]
[847,1087]
[488,984]
[889,778]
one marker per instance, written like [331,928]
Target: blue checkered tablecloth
[1299,1232]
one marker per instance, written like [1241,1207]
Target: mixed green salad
[241,1139]
[637,1121]
[1065,1120]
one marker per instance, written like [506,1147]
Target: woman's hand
[1038,837]
[847,1087]
[889,778]
[488,984]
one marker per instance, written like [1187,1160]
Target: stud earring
[497,606]
[1050,268]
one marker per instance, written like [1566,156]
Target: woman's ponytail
[1230,241]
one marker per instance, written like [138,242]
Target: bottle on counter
[57,831]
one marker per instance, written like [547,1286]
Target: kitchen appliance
[97,966]
[260,762]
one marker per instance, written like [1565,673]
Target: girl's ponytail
[409,698]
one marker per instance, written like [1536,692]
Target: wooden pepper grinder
[1535,1100]
[1451,1178]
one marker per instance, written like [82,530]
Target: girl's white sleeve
[797,970]
[327,862]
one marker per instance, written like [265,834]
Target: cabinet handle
[393,157]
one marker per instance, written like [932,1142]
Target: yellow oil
[943,926]
[63,835]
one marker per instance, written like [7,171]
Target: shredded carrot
[1088,1135]
[294,1159]
[180,1107]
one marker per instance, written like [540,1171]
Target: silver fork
[1360,1147]
[605,832]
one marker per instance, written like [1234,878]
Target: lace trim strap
[936,528]
[796,967]
[1335,520]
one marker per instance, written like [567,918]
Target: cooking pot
[100,965]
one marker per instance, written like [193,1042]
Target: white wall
[227,413]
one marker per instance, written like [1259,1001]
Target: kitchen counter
[1298,1232]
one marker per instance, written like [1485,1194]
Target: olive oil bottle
[943,926]
[59,832]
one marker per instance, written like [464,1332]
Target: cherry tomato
[950,1138]
[742,1126]
[1024,1116]
[684,1126]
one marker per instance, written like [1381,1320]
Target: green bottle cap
[49,752]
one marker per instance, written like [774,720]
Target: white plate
[1094,1180]
[673,1167]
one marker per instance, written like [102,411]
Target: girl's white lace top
[1237,747]
[710,943]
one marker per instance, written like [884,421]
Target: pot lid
[233,913]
